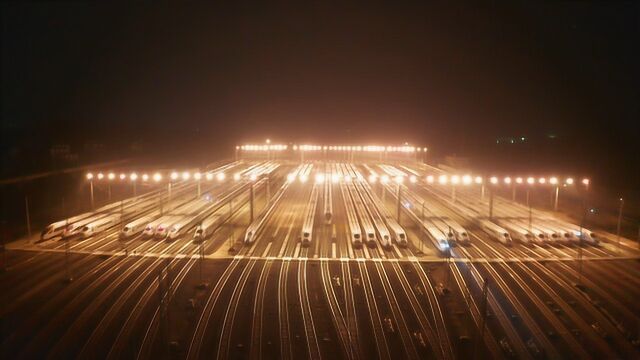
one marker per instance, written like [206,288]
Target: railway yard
[319,259]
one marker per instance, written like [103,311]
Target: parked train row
[309,217]
[328,201]
[83,224]
[198,214]
[367,217]
[143,216]
[434,222]
[513,218]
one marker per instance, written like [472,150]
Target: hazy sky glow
[452,77]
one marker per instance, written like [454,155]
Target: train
[135,227]
[162,230]
[352,218]
[98,226]
[496,232]
[206,228]
[374,211]
[440,239]
[328,203]
[57,228]
[363,215]
[307,226]
[517,232]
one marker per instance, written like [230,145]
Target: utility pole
[26,207]
[67,264]
[529,205]
[485,294]
[399,202]
[4,241]
[251,196]
[163,310]
[168,195]
[268,189]
[202,284]
[91,189]
[490,203]
[555,201]
[580,244]
[619,222]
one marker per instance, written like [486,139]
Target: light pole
[530,182]
[90,178]
[268,141]
[111,177]
[493,181]
[485,293]
[619,222]
[554,181]
[26,206]
[399,193]
[268,188]
[198,176]
[581,242]
[251,198]
[133,177]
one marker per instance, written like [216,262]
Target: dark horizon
[457,79]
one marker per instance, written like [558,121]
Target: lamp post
[90,178]
[268,141]
[399,180]
[251,198]
[619,222]
[454,181]
[133,178]
[554,181]
[581,242]
[26,207]
[198,177]
[493,180]
[530,182]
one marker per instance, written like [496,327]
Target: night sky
[194,79]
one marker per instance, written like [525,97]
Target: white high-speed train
[307,226]
[135,227]
[206,228]
[496,232]
[98,226]
[352,218]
